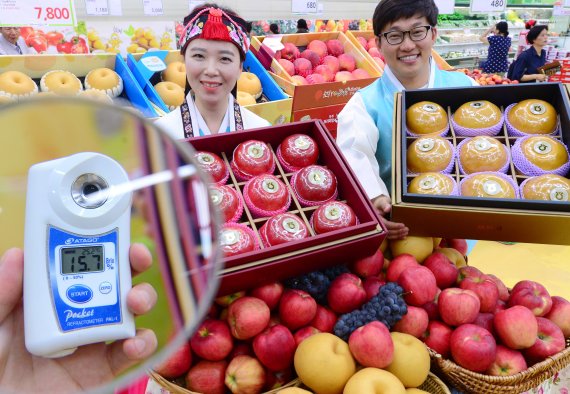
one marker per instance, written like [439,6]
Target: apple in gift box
[176,364]
[298,151]
[325,71]
[443,269]
[227,200]
[283,228]
[360,73]
[331,216]
[473,347]
[314,184]
[303,67]
[303,333]
[274,347]
[507,362]
[414,322]
[207,377]
[213,165]
[419,284]
[247,317]
[319,47]
[299,80]
[343,76]
[237,239]
[312,57]
[212,340]
[458,306]
[516,327]
[371,345]
[346,293]
[437,337]
[324,319]
[486,290]
[549,341]
[335,47]
[287,65]
[266,193]
[251,158]
[560,314]
[290,52]
[315,78]
[398,265]
[270,293]
[372,285]
[244,374]
[533,295]
[297,308]
[346,62]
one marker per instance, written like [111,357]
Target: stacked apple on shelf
[319,326]
[487,78]
[320,62]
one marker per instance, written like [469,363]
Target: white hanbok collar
[198,122]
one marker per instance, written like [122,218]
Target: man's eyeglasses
[396,37]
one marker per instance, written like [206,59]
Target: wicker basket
[475,383]
[432,385]
[177,389]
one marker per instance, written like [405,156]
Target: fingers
[124,354]
[140,258]
[11,280]
[141,298]
[382,204]
[396,230]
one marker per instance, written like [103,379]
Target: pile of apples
[249,340]
[475,320]
[487,79]
[320,62]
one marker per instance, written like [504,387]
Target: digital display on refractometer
[82,259]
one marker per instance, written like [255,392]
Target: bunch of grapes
[316,283]
[387,307]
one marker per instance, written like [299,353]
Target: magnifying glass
[80,181]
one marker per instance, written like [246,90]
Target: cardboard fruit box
[319,101]
[274,106]
[367,35]
[520,220]
[35,66]
[315,252]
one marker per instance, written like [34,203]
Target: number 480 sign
[484,6]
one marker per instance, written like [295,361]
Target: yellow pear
[419,247]
[411,361]
[374,381]
[454,255]
[324,363]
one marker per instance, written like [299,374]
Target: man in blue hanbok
[405,33]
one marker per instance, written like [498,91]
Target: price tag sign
[485,6]
[194,3]
[96,7]
[304,6]
[152,7]
[44,12]
[445,6]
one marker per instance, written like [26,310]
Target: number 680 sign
[483,6]
[304,6]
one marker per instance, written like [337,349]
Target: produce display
[487,158]
[486,79]
[16,85]
[171,94]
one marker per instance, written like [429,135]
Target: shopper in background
[214,43]
[274,28]
[525,68]
[499,44]
[405,33]
[248,28]
[522,36]
[91,365]
[302,26]
[12,44]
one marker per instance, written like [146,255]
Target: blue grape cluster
[316,283]
[387,307]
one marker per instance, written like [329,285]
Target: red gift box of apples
[272,255]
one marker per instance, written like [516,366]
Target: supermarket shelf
[458,44]
[439,28]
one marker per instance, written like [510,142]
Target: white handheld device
[76,245]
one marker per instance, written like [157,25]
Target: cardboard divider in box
[309,100]
[274,105]
[35,66]
[501,219]
[315,252]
